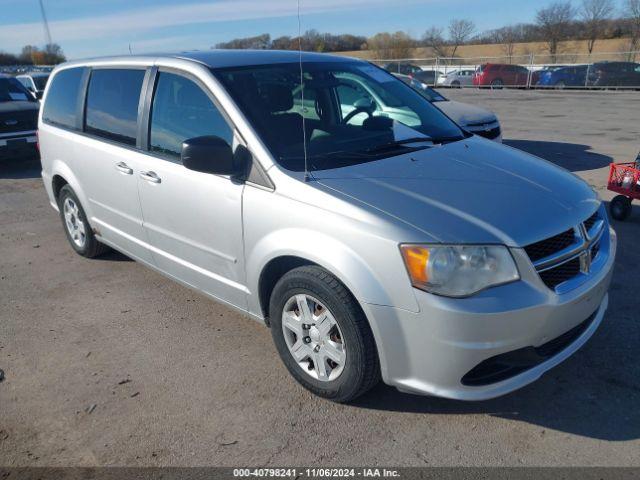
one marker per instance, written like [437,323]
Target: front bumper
[430,352]
[18,144]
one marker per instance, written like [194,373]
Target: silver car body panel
[470,191]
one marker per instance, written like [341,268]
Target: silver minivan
[376,244]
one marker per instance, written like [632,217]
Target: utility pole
[47,33]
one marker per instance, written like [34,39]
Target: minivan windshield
[353,112]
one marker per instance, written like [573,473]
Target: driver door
[193,220]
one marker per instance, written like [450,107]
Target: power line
[47,33]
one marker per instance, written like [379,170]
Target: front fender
[330,253]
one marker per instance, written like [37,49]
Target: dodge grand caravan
[390,245]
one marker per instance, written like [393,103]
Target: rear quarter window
[60,107]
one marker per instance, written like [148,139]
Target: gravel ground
[108,363]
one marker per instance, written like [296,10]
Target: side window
[62,100]
[112,104]
[182,110]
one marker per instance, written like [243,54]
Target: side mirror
[210,154]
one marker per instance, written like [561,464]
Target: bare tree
[594,14]
[459,32]
[632,12]
[554,22]
[433,39]
[507,38]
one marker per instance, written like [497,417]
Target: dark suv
[18,119]
[614,74]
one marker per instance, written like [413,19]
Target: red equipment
[624,179]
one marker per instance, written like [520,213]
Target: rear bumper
[18,144]
[430,352]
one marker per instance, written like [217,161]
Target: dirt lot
[108,363]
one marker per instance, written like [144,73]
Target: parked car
[407,72]
[497,75]
[477,120]
[561,77]
[457,78]
[34,82]
[18,119]
[396,246]
[614,74]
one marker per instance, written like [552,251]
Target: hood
[19,106]
[464,114]
[471,191]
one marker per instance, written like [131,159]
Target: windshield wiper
[338,154]
[442,140]
[404,143]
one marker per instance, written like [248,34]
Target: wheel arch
[281,251]
[62,175]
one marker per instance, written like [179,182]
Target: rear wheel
[620,207]
[497,83]
[455,84]
[560,85]
[322,335]
[76,226]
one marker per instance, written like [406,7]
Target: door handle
[150,177]
[124,168]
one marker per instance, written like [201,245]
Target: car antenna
[304,130]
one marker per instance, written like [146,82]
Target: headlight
[458,270]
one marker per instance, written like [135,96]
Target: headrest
[277,98]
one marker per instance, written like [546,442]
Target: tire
[350,334]
[76,226]
[497,83]
[455,84]
[620,207]
[560,85]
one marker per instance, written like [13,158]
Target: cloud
[130,23]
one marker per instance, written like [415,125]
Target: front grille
[491,134]
[549,254]
[560,274]
[591,221]
[550,246]
[507,365]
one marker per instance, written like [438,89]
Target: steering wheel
[358,110]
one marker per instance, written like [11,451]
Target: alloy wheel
[75,226]
[313,338]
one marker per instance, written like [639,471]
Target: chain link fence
[533,71]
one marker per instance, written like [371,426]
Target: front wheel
[497,83]
[322,335]
[620,207]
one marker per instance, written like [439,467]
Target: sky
[87,28]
